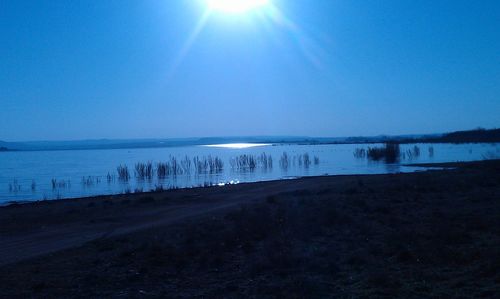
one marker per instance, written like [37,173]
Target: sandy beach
[433,234]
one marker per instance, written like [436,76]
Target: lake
[37,175]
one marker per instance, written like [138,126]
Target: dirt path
[43,237]
[53,239]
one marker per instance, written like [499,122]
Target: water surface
[27,176]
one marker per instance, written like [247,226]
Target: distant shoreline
[268,144]
[460,137]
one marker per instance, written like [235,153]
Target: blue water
[27,176]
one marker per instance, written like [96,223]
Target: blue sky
[113,69]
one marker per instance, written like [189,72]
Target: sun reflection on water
[237,145]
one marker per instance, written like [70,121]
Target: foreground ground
[430,234]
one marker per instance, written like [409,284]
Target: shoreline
[346,235]
[428,166]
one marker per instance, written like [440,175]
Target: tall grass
[14,186]
[431,151]
[208,165]
[186,164]
[305,160]
[215,164]
[144,170]
[173,167]
[360,153]
[123,173]
[412,153]
[300,160]
[390,152]
[266,161]
[60,184]
[200,165]
[251,162]
[162,170]
[244,162]
[110,178]
[284,161]
[90,181]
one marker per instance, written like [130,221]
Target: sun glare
[236,6]
[237,145]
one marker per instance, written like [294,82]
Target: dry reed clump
[90,181]
[14,187]
[208,164]
[173,167]
[412,153]
[284,161]
[251,162]
[360,153]
[300,160]
[431,151]
[144,170]
[123,173]
[60,184]
[390,152]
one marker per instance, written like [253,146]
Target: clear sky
[136,69]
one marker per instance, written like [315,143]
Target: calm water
[26,176]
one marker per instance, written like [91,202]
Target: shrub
[390,152]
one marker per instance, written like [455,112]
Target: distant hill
[471,136]
[139,143]
[478,135]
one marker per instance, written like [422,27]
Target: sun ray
[267,13]
[311,50]
[190,41]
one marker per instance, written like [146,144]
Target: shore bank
[433,233]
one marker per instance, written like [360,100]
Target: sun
[236,6]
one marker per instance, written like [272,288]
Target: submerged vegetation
[208,165]
[203,171]
[110,178]
[123,173]
[431,151]
[390,153]
[360,153]
[185,166]
[251,162]
[14,186]
[90,181]
[411,153]
[144,170]
[300,160]
[173,167]
[60,184]
[284,161]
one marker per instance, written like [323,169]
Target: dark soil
[433,234]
